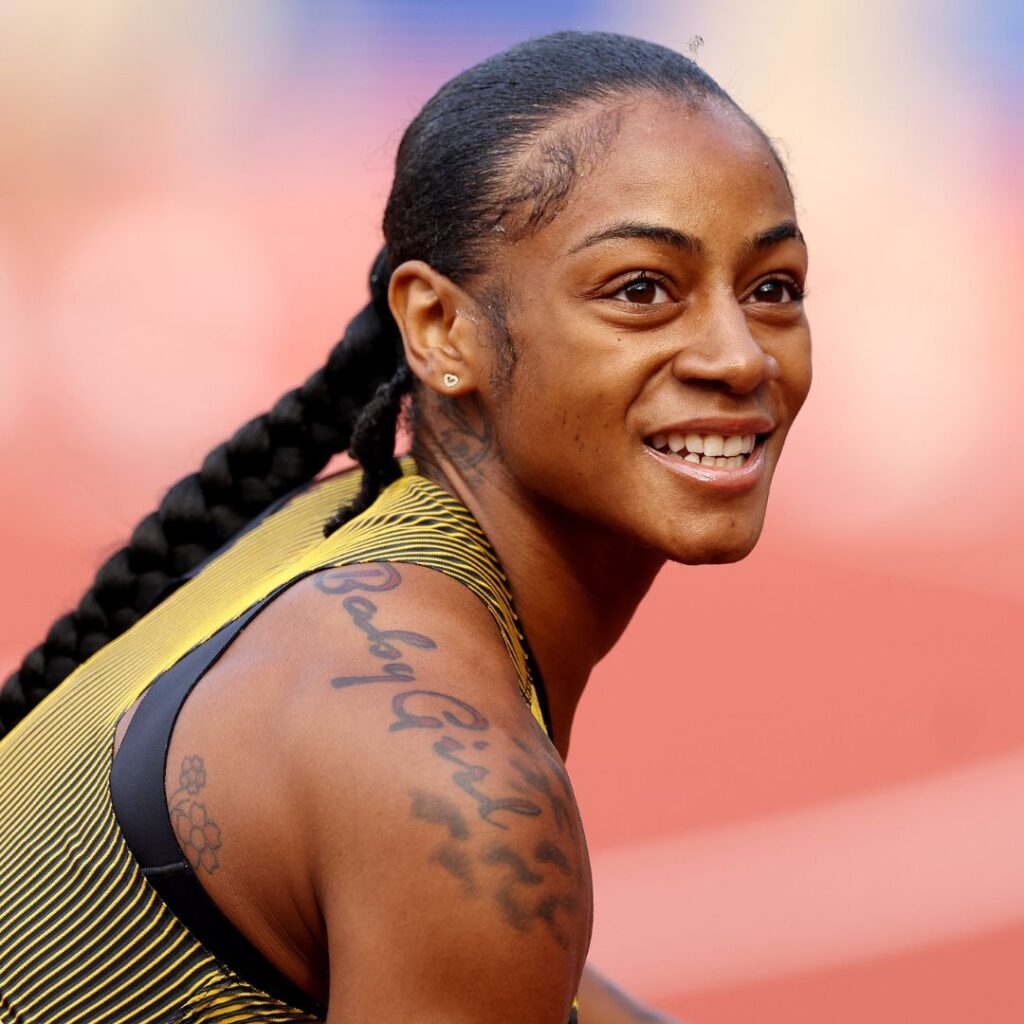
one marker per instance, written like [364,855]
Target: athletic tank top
[87,930]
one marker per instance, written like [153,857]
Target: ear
[440,327]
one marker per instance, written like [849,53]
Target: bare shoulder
[446,850]
[386,816]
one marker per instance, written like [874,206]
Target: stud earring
[450,380]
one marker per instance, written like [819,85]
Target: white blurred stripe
[908,866]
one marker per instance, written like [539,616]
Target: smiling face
[662,346]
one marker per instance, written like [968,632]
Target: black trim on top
[140,806]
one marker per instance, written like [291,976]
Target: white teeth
[711,446]
[735,462]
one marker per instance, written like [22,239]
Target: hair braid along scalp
[487,146]
[487,157]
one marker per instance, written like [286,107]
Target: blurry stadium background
[803,775]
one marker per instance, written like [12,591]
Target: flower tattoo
[193,774]
[198,835]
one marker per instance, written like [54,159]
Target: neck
[575,585]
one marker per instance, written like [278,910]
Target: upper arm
[445,845]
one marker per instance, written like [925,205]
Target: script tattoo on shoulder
[468,775]
[539,888]
[490,791]
[384,644]
[198,835]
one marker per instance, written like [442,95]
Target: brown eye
[644,291]
[777,289]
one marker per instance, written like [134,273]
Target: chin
[716,547]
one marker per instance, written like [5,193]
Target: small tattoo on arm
[197,833]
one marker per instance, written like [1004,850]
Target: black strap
[140,806]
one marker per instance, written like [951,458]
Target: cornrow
[265,459]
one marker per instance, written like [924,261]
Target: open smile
[729,462]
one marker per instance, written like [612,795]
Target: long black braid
[459,178]
[265,459]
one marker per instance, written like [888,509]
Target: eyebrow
[772,236]
[689,244]
[651,232]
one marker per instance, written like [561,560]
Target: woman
[321,774]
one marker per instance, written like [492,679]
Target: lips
[729,458]
[724,451]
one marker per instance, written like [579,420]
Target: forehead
[701,169]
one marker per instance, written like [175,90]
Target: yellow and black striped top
[84,937]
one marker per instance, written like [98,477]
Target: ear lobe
[439,338]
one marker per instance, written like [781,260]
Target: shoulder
[374,765]
[358,643]
[355,626]
[443,839]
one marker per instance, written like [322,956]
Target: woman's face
[663,349]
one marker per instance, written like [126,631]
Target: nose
[719,349]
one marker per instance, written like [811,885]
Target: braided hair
[459,179]
[340,406]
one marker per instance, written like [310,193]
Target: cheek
[556,421]
[563,428]
[794,359]
[571,388]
